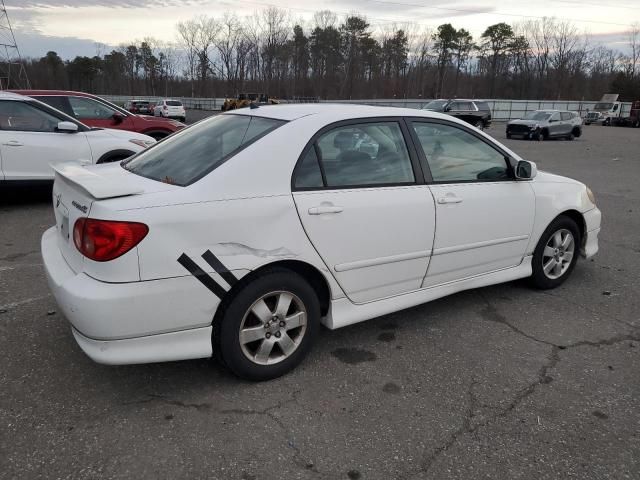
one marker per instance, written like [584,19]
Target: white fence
[501,109]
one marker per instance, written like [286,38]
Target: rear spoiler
[99,185]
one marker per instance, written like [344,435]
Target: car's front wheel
[556,254]
[269,325]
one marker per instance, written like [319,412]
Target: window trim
[508,159]
[416,166]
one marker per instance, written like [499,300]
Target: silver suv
[546,124]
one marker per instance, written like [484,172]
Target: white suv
[33,136]
[170,109]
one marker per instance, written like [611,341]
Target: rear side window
[196,151]
[58,102]
[482,106]
[566,116]
[357,155]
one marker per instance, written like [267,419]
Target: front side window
[196,151]
[20,116]
[365,154]
[455,155]
[555,117]
[87,108]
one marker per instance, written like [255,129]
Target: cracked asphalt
[500,382]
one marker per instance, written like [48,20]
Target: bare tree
[197,36]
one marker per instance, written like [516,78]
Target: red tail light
[104,240]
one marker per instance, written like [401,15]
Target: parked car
[97,112]
[142,107]
[33,135]
[240,235]
[546,124]
[170,109]
[475,112]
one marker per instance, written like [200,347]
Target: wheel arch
[307,271]
[577,217]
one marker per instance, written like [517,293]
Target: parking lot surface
[500,382]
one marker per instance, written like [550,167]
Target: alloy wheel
[273,327]
[558,254]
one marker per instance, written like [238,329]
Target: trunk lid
[77,190]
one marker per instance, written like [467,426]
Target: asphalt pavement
[503,382]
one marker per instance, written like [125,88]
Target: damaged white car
[239,236]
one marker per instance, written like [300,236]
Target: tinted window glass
[565,116]
[455,155]
[90,109]
[461,106]
[20,116]
[365,154]
[173,103]
[186,156]
[59,103]
[308,173]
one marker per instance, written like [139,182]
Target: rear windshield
[173,103]
[192,153]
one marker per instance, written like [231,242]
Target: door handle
[449,199]
[13,143]
[324,209]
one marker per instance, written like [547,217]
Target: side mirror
[67,127]
[118,118]
[525,170]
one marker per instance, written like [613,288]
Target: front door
[361,201]
[484,216]
[29,142]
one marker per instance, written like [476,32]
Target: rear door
[555,124]
[360,196]
[29,142]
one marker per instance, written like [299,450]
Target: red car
[97,112]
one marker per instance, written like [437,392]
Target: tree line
[333,57]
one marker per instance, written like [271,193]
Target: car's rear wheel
[571,136]
[556,254]
[269,325]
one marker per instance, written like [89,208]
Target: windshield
[435,105]
[603,106]
[189,155]
[536,116]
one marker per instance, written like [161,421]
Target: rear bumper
[161,318]
[166,347]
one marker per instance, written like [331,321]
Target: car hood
[156,120]
[120,134]
[529,123]
[547,177]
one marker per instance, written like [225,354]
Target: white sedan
[240,235]
[34,135]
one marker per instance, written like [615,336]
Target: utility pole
[12,71]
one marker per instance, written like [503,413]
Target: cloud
[102,3]
[36,45]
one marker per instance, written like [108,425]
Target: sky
[75,27]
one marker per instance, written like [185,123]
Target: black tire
[537,136]
[571,136]
[226,328]
[183,119]
[508,135]
[544,135]
[539,278]
[577,132]
[479,124]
